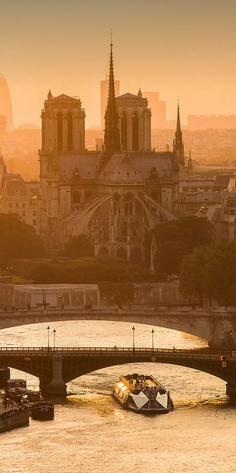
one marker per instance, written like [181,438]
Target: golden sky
[181,48]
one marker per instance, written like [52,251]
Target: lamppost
[54,338]
[44,300]
[230,336]
[48,329]
[153,331]
[133,329]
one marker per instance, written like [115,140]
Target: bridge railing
[152,351]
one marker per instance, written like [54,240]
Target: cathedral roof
[85,164]
[137,166]
[63,97]
[127,95]
[121,169]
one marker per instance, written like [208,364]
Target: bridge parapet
[217,327]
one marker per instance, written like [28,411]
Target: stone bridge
[57,366]
[217,327]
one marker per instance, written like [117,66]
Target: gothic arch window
[70,131]
[136,255]
[76,197]
[87,195]
[121,253]
[124,131]
[103,251]
[154,195]
[135,132]
[59,132]
[128,204]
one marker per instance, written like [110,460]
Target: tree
[178,238]
[169,257]
[210,272]
[79,246]
[17,240]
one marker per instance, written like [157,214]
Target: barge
[13,416]
[142,394]
[39,408]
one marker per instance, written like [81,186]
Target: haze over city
[117,236]
[183,49]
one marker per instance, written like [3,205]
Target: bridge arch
[192,323]
[78,370]
[212,369]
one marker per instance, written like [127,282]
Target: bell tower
[63,125]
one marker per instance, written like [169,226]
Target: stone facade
[114,197]
[134,122]
[19,197]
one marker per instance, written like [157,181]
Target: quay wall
[81,295]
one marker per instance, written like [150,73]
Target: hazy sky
[182,48]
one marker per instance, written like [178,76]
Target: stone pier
[54,386]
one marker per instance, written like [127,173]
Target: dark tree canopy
[210,273]
[79,246]
[17,240]
[177,238]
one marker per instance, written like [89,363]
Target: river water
[91,433]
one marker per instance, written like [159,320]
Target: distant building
[5,103]
[214,122]
[104,88]
[158,108]
[19,197]
[3,124]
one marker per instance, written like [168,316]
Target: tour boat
[142,393]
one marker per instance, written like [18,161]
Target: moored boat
[39,408]
[42,410]
[142,393]
[12,416]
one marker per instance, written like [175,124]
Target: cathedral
[115,196]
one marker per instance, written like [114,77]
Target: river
[91,433]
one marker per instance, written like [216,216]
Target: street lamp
[44,300]
[133,338]
[54,338]
[48,329]
[153,331]
[230,336]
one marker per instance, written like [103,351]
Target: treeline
[17,240]
[177,239]
[81,270]
[209,273]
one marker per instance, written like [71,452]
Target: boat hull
[128,407]
[13,421]
[42,412]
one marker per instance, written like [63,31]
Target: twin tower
[127,123]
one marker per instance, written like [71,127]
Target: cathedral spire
[112,136]
[178,145]
[178,125]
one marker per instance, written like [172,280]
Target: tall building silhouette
[5,103]
[158,108]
